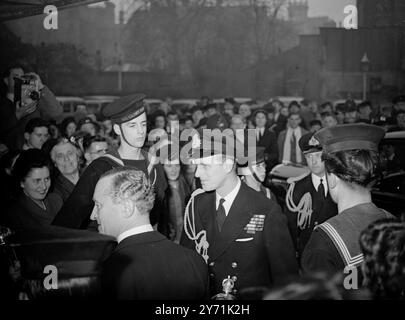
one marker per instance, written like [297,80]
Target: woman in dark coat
[34,206]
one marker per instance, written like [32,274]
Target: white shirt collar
[10,96]
[133,231]
[229,198]
[317,180]
[296,130]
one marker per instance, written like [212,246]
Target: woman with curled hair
[383,246]
[350,153]
[35,206]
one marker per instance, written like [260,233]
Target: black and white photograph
[202,155]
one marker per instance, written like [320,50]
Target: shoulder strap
[113,158]
[200,238]
[349,261]
[304,207]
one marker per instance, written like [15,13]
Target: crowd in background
[44,153]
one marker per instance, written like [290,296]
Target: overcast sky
[331,8]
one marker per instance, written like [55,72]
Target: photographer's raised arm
[48,106]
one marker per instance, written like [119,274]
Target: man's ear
[5,80]
[332,180]
[128,208]
[87,156]
[117,129]
[26,135]
[228,165]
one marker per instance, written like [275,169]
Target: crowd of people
[187,230]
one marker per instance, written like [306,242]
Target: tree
[205,41]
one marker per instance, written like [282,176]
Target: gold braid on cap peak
[200,238]
[304,208]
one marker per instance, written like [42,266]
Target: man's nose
[197,172]
[93,214]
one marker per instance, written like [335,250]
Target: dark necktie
[321,189]
[293,148]
[221,216]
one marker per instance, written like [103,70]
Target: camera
[26,89]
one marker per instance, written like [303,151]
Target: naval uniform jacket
[148,266]
[322,210]
[254,246]
[335,245]
[77,209]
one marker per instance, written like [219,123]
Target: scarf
[287,145]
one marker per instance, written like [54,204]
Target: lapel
[207,213]
[31,206]
[65,183]
[238,217]
[261,137]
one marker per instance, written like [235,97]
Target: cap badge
[313,142]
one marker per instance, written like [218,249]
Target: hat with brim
[252,157]
[207,143]
[308,144]
[125,109]
[350,137]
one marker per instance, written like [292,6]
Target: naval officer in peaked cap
[130,124]
[308,200]
[241,234]
[350,153]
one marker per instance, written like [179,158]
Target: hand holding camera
[25,110]
[37,79]
[27,89]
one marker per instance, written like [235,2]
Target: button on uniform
[212,264]
[234,265]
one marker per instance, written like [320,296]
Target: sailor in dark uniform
[350,153]
[241,234]
[308,200]
[129,119]
[253,173]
